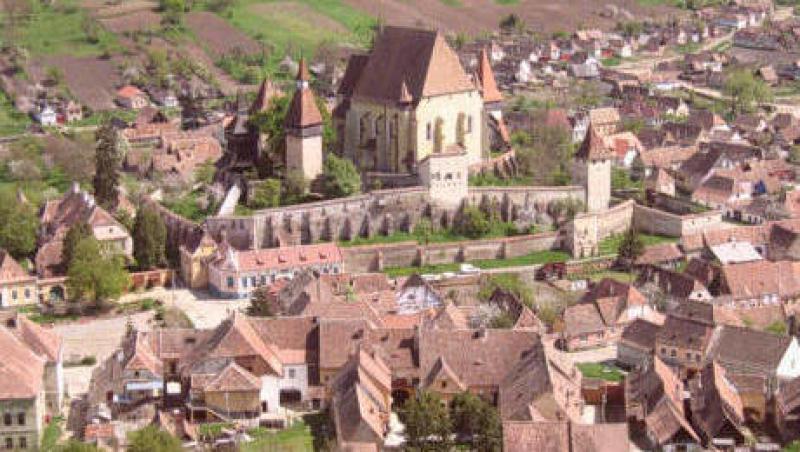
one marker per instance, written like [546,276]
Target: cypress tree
[107,163]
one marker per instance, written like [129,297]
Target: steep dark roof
[420,58]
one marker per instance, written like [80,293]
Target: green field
[60,29]
[299,26]
[12,121]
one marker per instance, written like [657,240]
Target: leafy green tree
[149,238]
[260,304]
[295,187]
[630,248]
[423,230]
[341,177]
[173,11]
[473,222]
[153,439]
[271,125]
[266,194]
[474,418]
[75,234]
[545,152]
[95,274]
[205,173]
[511,23]
[18,226]
[427,422]
[745,90]
[107,164]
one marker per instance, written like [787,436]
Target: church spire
[486,81]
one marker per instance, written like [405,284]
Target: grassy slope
[12,121]
[58,30]
[288,31]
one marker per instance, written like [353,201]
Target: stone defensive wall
[180,230]
[379,212]
[654,221]
[587,230]
[372,258]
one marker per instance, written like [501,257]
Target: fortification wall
[587,230]
[654,221]
[180,231]
[370,258]
[380,212]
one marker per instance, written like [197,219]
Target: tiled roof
[751,280]
[21,370]
[266,92]
[594,147]
[715,401]
[10,270]
[420,58]
[479,358]
[303,110]
[564,436]
[234,378]
[287,257]
[641,333]
[759,351]
[656,254]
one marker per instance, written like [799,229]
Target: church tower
[592,169]
[303,125]
[495,133]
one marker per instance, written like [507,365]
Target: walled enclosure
[379,212]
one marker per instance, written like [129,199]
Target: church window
[469,124]
[428,132]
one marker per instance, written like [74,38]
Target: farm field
[479,16]
[12,121]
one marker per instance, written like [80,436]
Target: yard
[610,245]
[308,434]
[537,258]
[601,371]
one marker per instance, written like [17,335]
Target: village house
[132,98]
[637,343]
[746,351]
[717,409]
[17,286]
[59,215]
[32,385]
[557,436]
[235,273]
[602,314]
[654,398]
[606,120]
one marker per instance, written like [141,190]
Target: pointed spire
[594,146]
[302,72]
[405,94]
[266,92]
[488,85]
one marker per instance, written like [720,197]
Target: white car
[469,269]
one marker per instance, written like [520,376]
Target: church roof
[420,58]
[488,85]
[594,147]
[266,92]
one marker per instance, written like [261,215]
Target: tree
[204,174]
[260,304]
[423,230]
[95,274]
[295,187]
[173,11]
[75,234]
[744,90]
[266,194]
[271,125]
[18,226]
[475,419]
[107,163]
[630,248]
[149,238]
[341,177]
[473,223]
[545,152]
[512,22]
[427,422]
[153,439]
